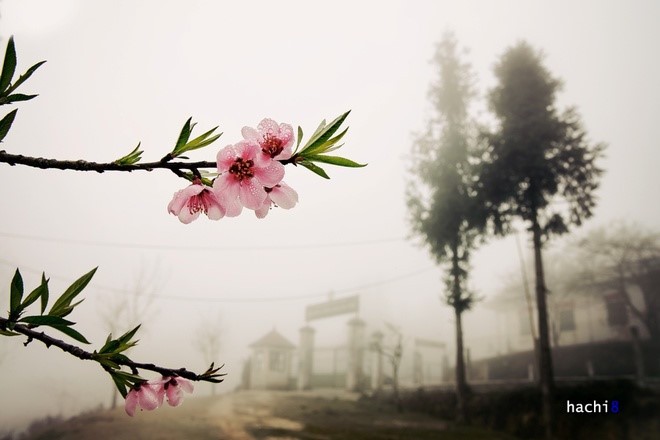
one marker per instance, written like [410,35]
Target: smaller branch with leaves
[110,356]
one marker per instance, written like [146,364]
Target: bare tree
[615,257]
[392,349]
[208,340]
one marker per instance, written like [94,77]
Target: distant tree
[442,206]
[535,158]
[617,256]
[207,340]
[392,349]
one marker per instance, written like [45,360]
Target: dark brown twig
[85,355]
[83,165]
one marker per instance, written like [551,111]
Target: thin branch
[83,165]
[85,355]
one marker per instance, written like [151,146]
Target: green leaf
[132,157]
[184,135]
[128,335]
[314,168]
[46,320]
[71,332]
[202,137]
[9,65]
[21,79]
[300,136]
[5,123]
[8,333]
[67,309]
[16,97]
[64,301]
[199,142]
[16,292]
[110,345]
[335,160]
[328,145]
[120,384]
[326,132]
[44,294]
[36,293]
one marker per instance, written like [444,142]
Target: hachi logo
[593,407]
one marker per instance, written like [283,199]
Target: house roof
[273,340]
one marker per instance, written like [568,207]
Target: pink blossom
[173,388]
[145,395]
[276,141]
[281,195]
[190,201]
[244,173]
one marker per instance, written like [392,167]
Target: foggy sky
[123,72]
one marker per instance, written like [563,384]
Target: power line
[236,299]
[99,243]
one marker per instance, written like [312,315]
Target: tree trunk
[546,378]
[115,393]
[461,385]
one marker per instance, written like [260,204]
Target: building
[270,364]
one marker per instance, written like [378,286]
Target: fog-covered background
[123,72]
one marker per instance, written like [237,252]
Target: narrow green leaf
[45,320]
[335,160]
[300,136]
[184,135]
[109,346]
[120,384]
[8,333]
[326,132]
[132,157]
[21,79]
[16,97]
[128,335]
[71,332]
[322,147]
[16,292]
[314,168]
[9,65]
[65,310]
[74,289]
[128,377]
[35,294]
[201,137]
[44,294]
[106,362]
[5,123]
[318,130]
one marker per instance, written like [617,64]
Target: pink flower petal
[174,395]
[262,211]
[131,402]
[186,216]
[185,384]
[181,198]
[215,209]
[284,196]
[270,175]
[251,193]
[267,125]
[226,189]
[226,157]
[147,398]
[248,150]
[251,134]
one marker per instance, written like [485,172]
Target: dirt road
[261,415]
